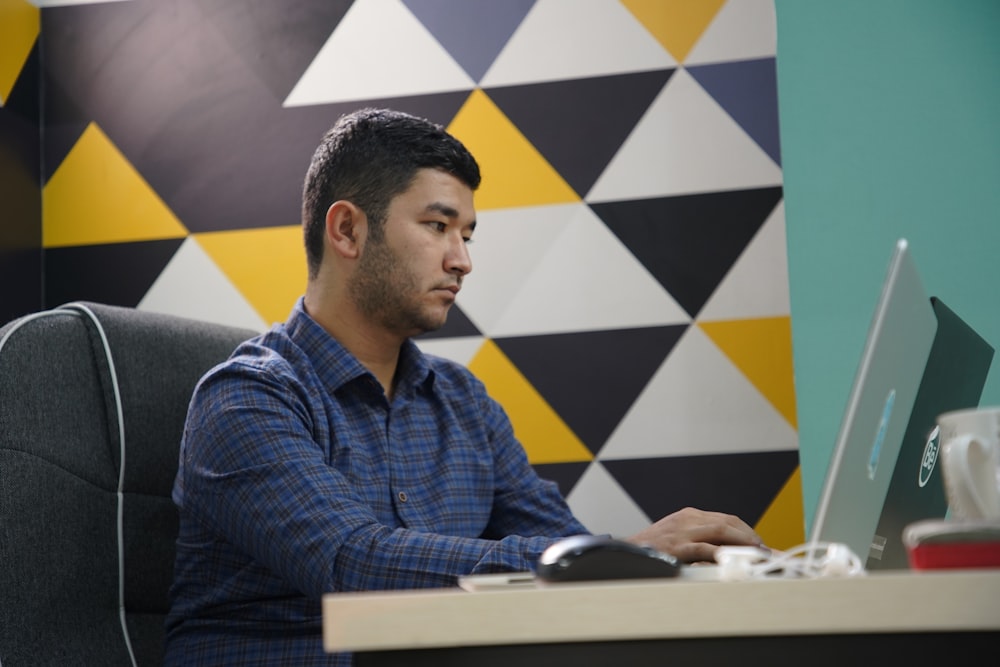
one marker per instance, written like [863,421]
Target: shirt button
[402,496]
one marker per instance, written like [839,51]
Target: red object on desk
[948,544]
[955,555]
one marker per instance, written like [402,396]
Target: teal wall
[890,127]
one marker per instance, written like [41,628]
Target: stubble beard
[387,293]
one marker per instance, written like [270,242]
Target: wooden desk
[777,621]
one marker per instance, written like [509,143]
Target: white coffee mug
[970,462]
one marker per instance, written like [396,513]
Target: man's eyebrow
[443,209]
[447,211]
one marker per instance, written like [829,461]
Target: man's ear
[345,228]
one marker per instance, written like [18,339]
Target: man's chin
[428,328]
[429,325]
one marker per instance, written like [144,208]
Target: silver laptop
[878,410]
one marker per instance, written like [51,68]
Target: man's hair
[368,157]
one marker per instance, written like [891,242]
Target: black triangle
[20,216]
[20,195]
[119,274]
[24,100]
[276,40]
[741,484]
[591,378]
[457,325]
[604,110]
[565,475]
[690,242]
[268,192]
[22,267]
[64,123]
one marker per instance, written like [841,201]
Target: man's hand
[692,535]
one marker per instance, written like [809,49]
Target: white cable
[809,560]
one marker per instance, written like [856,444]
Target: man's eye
[468,239]
[438,226]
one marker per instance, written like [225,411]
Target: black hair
[368,157]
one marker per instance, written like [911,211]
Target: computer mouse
[595,557]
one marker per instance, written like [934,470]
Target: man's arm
[254,474]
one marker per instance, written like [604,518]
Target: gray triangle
[472,31]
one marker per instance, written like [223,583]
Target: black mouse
[594,557]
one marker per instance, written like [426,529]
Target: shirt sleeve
[255,477]
[523,504]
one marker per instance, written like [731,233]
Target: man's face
[407,281]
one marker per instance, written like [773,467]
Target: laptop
[920,359]
[953,379]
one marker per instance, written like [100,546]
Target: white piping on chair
[24,320]
[121,472]
[76,309]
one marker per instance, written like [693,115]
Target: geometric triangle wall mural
[521,175]
[544,434]
[265,264]
[677,24]
[96,196]
[18,32]
[628,305]
[762,350]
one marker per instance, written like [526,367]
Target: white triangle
[507,246]
[573,39]
[757,283]
[603,506]
[379,49]
[698,403]
[191,285]
[684,143]
[742,30]
[460,349]
[588,280]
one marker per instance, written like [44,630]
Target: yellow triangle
[97,196]
[544,435]
[267,266]
[783,525]
[676,24]
[514,172]
[762,350]
[19,26]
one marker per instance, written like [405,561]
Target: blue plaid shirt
[298,478]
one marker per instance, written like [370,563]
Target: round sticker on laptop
[930,457]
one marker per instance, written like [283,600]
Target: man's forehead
[437,192]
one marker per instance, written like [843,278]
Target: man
[330,454]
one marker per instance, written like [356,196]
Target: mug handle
[970,473]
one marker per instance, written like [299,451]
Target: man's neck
[376,349]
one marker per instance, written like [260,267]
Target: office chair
[92,406]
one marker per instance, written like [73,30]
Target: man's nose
[458,259]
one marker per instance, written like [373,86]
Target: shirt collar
[336,366]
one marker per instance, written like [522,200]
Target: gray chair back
[92,405]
